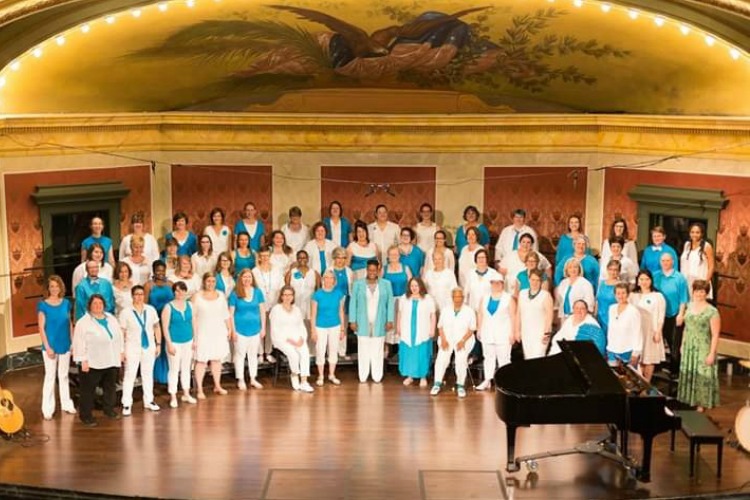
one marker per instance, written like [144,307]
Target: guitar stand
[605,447]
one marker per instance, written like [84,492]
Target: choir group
[248,295]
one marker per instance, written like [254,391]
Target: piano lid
[578,370]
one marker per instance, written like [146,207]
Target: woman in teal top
[97,236]
[244,257]
[361,250]
[411,255]
[187,243]
[327,325]
[471,216]
[567,242]
[247,307]
[158,294]
[177,323]
[522,278]
[395,272]
[252,226]
[56,329]
[605,294]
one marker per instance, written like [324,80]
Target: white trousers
[179,367]
[298,357]
[247,347]
[56,368]
[145,359]
[327,338]
[461,362]
[266,346]
[370,357]
[342,343]
[495,356]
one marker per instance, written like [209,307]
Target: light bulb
[606,7]
[60,40]
[734,53]
[163,7]
[659,21]
[85,28]
[37,52]
[110,19]
[15,65]
[710,40]
[136,13]
[633,14]
[684,29]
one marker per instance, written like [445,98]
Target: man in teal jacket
[371,315]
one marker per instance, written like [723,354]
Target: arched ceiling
[412,56]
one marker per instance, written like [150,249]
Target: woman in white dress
[106,271]
[204,260]
[361,250]
[304,281]
[122,287]
[440,282]
[225,282]
[139,263]
[150,245]
[534,318]
[652,305]
[213,327]
[449,258]
[219,232]
[426,227]
[383,232]
[573,287]
[697,261]
[466,262]
[282,256]
[319,249]
[619,229]
[624,335]
[290,337]
[269,280]
[184,274]
[496,320]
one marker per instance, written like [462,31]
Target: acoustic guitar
[11,416]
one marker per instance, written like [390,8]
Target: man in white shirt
[456,336]
[508,240]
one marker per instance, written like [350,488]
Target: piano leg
[510,431]
[644,474]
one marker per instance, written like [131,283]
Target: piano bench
[699,429]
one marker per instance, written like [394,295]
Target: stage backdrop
[548,194]
[25,230]
[350,185]
[733,241]
[196,189]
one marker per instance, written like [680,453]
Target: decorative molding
[78,134]
[79,193]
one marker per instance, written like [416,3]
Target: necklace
[532,296]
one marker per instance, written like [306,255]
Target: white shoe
[241,385]
[260,359]
[306,387]
[483,386]
[461,391]
[47,417]
[295,383]
[127,411]
[334,380]
[151,406]
[69,409]
[173,402]
[255,384]
[187,398]
[320,382]
[435,389]
[270,358]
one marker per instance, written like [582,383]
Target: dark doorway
[68,231]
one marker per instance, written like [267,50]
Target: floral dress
[699,384]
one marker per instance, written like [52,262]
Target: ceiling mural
[391,56]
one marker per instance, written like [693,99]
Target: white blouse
[425,311]
[624,330]
[99,346]
[286,325]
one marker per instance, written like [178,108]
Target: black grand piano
[577,386]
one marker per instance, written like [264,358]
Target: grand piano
[577,386]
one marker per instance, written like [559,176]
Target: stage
[356,441]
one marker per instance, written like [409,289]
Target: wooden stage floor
[356,441]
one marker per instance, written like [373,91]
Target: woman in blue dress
[361,250]
[398,275]
[411,255]
[588,263]
[338,227]
[158,294]
[243,256]
[251,225]
[605,294]
[416,328]
[187,243]
[471,216]
[56,329]
[565,245]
